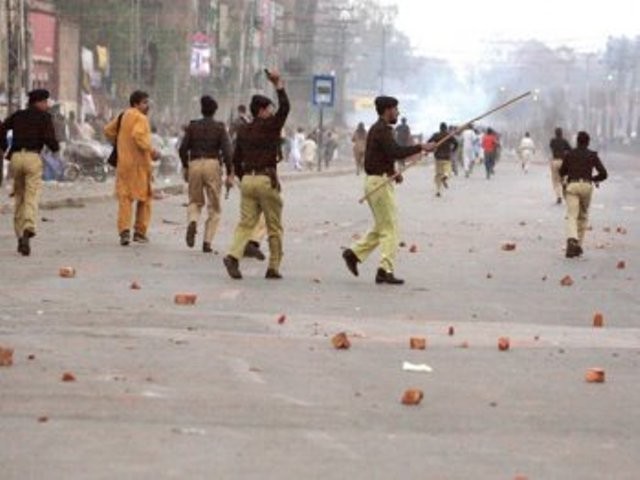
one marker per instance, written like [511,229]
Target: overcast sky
[455,30]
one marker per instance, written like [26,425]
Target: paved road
[221,390]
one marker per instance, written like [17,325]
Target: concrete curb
[177,189]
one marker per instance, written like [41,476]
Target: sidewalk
[77,194]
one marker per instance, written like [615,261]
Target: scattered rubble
[68,377]
[508,247]
[598,320]
[418,343]
[6,357]
[281,319]
[621,265]
[135,286]
[341,341]
[452,331]
[412,397]
[566,281]
[67,272]
[621,230]
[413,248]
[504,344]
[185,298]
[594,375]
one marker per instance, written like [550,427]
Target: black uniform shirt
[559,147]
[444,151]
[206,138]
[578,164]
[32,130]
[258,143]
[382,150]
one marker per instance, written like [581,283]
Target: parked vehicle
[86,158]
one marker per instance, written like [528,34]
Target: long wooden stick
[442,141]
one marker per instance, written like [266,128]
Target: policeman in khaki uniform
[255,159]
[443,157]
[203,151]
[559,148]
[577,167]
[32,130]
[379,164]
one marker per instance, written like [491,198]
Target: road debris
[416,367]
[135,286]
[6,357]
[504,344]
[185,298]
[621,265]
[67,272]
[413,248]
[598,320]
[418,343]
[508,247]
[281,319]
[452,331]
[621,230]
[68,377]
[341,341]
[594,375]
[566,281]
[412,397]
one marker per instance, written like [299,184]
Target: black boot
[573,248]
[125,238]
[387,277]
[252,250]
[273,274]
[233,268]
[191,234]
[351,260]
[23,243]
[206,247]
[140,238]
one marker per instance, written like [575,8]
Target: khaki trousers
[260,231]
[443,170]
[385,228]
[259,197]
[205,180]
[556,181]
[578,199]
[125,211]
[27,186]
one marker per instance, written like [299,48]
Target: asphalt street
[222,390]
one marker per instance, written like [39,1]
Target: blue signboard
[324,90]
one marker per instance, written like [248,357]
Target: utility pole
[17,58]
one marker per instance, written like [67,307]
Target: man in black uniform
[577,167]
[255,161]
[443,157]
[204,149]
[32,130]
[559,148]
[379,164]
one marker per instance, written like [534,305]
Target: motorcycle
[87,158]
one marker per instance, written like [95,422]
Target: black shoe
[438,194]
[573,248]
[351,260]
[232,266]
[140,238]
[23,243]
[273,274]
[191,234]
[125,238]
[387,277]
[558,201]
[206,247]
[252,250]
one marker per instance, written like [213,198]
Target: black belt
[257,171]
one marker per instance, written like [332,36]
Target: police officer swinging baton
[452,134]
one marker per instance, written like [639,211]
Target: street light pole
[383,59]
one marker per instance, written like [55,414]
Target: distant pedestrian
[309,153]
[204,151]
[134,170]
[32,130]
[359,140]
[559,148]
[295,153]
[330,146]
[577,167]
[490,146]
[403,137]
[469,150]
[443,157]
[526,150]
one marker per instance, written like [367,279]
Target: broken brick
[452,331]
[67,272]
[413,248]
[504,343]
[594,375]
[31,357]
[412,397]
[6,357]
[508,247]
[566,281]
[418,343]
[281,319]
[135,286]
[68,377]
[403,244]
[341,341]
[43,419]
[185,298]
[598,320]
[489,276]
[621,265]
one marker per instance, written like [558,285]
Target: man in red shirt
[490,145]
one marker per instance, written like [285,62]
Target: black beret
[38,95]
[383,103]
[258,102]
